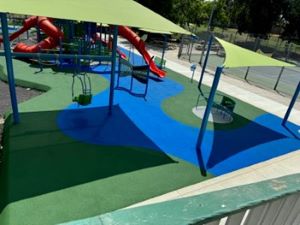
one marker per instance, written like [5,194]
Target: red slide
[45,25]
[139,44]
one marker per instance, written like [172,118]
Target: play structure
[87,39]
[85,44]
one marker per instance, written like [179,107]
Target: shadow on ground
[259,140]
[39,158]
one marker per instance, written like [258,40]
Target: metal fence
[274,46]
[283,80]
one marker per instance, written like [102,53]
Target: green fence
[272,202]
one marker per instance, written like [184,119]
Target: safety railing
[271,202]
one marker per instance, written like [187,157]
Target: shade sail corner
[236,56]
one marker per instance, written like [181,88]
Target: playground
[110,127]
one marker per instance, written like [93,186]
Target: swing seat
[83,99]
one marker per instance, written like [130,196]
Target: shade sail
[240,57]
[114,12]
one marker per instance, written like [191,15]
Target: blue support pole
[147,84]
[113,68]
[206,114]
[293,101]
[205,61]
[72,30]
[119,71]
[60,51]
[89,28]
[9,68]
[100,42]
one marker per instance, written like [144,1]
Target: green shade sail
[240,57]
[114,12]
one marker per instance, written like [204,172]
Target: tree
[183,12]
[256,16]
[291,20]
[220,15]
[163,8]
[188,11]
[198,12]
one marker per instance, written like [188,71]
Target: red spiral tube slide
[45,25]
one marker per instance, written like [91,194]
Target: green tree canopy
[183,12]
[256,16]
[188,11]
[291,20]
[163,8]
[221,13]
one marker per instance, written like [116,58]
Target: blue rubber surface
[135,118]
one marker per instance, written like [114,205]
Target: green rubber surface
[57,86]
[49,178]
[180,106]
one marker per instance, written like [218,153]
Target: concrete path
[267,100]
